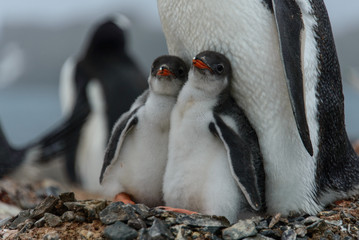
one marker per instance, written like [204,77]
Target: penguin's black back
[338,164]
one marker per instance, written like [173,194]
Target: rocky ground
[46,212]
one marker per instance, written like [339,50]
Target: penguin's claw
[123,197]
[177,210]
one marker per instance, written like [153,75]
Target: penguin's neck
[159,104]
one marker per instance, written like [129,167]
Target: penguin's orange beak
[200,64]
[164,72]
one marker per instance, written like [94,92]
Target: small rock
[143,234]
[334,222]
[316,226]
[67,197]
[301,231]
[327,213]
[20,218]
[271,233]
[290,234]
[262,225]
[79,218]
[210,223]
[5,221]
[258,237]
[120,231]
[68,216]
[40,223]
[91,208]
[45,206]
[85,234]
[274,220]
[142,210]
[116,211]
[52,236]
[52,220]
[159,230]
[242,229]
[136,223]
[310,220]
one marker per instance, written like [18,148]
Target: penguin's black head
[212,62]
[168,75]
[169,67]
[107,38]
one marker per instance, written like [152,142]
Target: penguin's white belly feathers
[245,32]
[198,175]
[89,155]
[140,165]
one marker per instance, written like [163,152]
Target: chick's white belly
[197,176]
[140,166]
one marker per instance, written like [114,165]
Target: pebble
[159,230]
[45,206]
[67,197]
[19,219]
[242,229]
[274,220]
[114,212]
[52,220]
[310,220]
[289,234]
[68,216]
[52,236]
[40,223]
[120,231]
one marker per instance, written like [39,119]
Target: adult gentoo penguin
[286,77]
[214,161]
[96,87]
[136,154]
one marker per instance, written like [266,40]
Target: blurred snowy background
[37,36]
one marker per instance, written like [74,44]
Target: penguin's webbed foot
[177,210]
[123,197]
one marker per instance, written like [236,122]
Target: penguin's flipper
[54,143]
[288,17]
[122,127]
[241,161]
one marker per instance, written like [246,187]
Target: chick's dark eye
[220,68]
[180,72]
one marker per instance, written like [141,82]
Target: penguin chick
[214,163]
[136,154]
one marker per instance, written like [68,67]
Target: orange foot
[123,197]
[177,210]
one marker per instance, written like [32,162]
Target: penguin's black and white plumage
[286,77]
[95,89]
[214,160]
[136,154]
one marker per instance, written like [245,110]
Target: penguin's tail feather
[10,158]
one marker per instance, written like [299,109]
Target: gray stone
[120,231]
[67,197]
[40,223]
[142,210]
[114,212]
[310,220]
[143,234]
[327,213]
[79,218]
[272,233]
[210,223]
[51,236]
[258,237]
[20,219]
[52,220]
[44,207]
[334,222]
[91,208]
[240,230]
[136,223]
[159,230]
[68,216]
[262,225]
[5,221]
[27,225]
[316,226]
[289,234]
[301,231]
